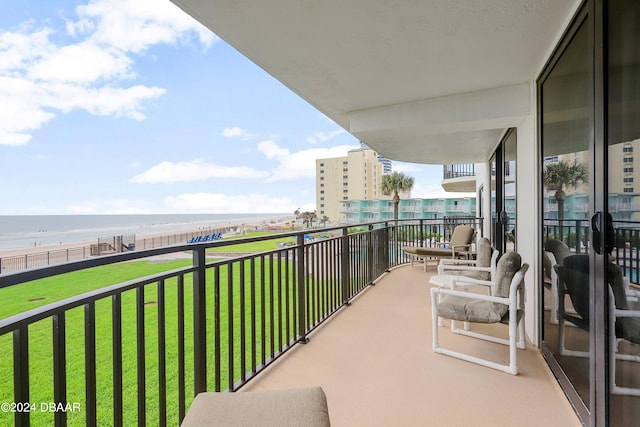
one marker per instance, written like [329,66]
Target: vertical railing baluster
[216,330]
[287,290]
[254,345]
[302,328]
[294,293]
[199,321]
[263,312]
[323,277]
[243,321]
[21,373]
[90,363]
[59,366]
[308,287]
[140,357]
[230,328]
[370,260]
[272,323]
[162,357]
[344,267]
[116,338]
[181,358]
[279,287]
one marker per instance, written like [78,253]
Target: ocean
[24,231]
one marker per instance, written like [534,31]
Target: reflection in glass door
[566,95]
[623,187]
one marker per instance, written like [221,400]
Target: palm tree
[393,183]
[324,220]
[561,175]
[308,218]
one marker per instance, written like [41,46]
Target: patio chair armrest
[461,247]
[470,280]
[456,261]
[631,293]
[443,268]
[465,268]
[627,313]
[470,295]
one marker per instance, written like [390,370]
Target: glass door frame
[592,14]
[499,215]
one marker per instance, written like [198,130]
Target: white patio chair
[505,305]
[482,268]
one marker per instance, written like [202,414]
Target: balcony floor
[374,361]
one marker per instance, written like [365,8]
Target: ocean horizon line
[28,231]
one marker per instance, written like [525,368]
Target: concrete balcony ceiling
[426,81]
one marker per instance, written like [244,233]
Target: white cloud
[40,78]
[299,164]
[84,62]
[272,151]
[195,170]
[135,25]
[236,132]
[222,203]
[324,136]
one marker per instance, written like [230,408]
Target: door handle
[596,230]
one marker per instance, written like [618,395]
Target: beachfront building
[360,211]
[356,176]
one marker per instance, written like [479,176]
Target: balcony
[235,323]
[459,177]
[375,363]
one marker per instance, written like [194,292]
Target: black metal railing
[137,352]
[576,234]
[458,171]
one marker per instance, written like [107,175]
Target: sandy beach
[233,228]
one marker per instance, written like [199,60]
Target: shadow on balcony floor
[375,363]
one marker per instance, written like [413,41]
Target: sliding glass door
[589,112]
[567,150]
[503,193]
[623,199]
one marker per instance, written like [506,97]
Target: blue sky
[131,106]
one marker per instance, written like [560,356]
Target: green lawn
[31,295]
[265,245]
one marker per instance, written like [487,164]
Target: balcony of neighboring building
[459,177]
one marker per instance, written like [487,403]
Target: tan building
[357,176]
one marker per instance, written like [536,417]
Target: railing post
[199,322]
[370,256]
[302,320]
[21,373]
[346,268]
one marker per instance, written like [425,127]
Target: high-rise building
[357,176]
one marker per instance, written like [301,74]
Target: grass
[274,297]
[265,245]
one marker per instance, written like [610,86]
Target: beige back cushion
[462,235]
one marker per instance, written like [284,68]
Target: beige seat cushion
[304,407]
[473,310]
